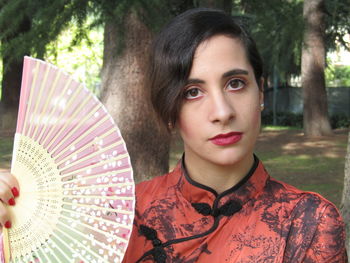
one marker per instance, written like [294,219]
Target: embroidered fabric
[258,220]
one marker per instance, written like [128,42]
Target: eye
[235,84]
[192,93]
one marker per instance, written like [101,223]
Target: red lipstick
[226,138]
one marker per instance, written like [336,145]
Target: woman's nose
[221,108]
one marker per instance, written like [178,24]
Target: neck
[218,177]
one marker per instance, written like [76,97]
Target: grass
[5,152]
[315,165]
[316,174]
[278,128]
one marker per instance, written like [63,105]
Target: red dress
[258,220]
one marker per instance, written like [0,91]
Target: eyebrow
[229,73]
[235,72]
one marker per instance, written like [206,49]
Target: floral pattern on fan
[77,189]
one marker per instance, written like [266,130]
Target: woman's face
[219,119]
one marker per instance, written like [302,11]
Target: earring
[262,106]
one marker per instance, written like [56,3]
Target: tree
[345,203]
[225,5]
[316,120]
[11,79]
[128,27]
[127,99]
[26,27]
[278,27]
[272,24]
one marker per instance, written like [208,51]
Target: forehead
[218,53]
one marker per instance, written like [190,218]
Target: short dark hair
[172,53]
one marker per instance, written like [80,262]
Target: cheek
[185,125]
[254,116]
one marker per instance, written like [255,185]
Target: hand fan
[76,186]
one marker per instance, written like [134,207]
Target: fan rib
[23,94]
[30,98]
[51,251]
[96,230]
[97,186]
[68,106]
[109,173]
[60,250]
[117,158]
[75,241]
[100,219]
[99,151]
[119,197]
[87,145]
[36,256]
[47,100]
[52,111]
[76,127]
[37,102]
[68,122]
[78,139]
[44,255]
[101,208]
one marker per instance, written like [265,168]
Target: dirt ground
[294,142]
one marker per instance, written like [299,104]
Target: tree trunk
[345,203]
[127,99]
[11,86]
[316,120]
[11,81]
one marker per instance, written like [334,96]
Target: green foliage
[44,20]
[296,120]
[6,145]
[338,23]
[338,76]
[82,59]
[277,27]
[283,119]
[340,121]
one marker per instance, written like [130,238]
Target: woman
[219,204]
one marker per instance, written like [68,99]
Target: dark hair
[173,50]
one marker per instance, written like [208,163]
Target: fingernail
[7,224]
[15,192]
[12,201]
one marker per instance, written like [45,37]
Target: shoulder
[314,226]
[297,197]
[298,205]
[158,188]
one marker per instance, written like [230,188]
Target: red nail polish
[7,224]
[15,192]
[12,201]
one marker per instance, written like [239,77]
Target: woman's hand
[9,190]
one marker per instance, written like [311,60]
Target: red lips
[227,138]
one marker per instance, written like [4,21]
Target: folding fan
[76,186]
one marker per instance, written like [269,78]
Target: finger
[6,194]
[4,217]
[11,181]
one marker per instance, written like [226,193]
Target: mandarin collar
[248,188]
